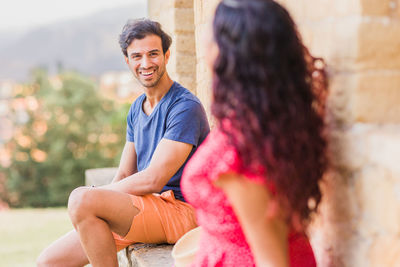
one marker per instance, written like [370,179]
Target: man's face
[146,60]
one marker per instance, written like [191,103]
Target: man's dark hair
[139,29]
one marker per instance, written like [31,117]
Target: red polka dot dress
[223,242]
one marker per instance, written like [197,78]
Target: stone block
[375,188]
[375,7]
[198,13]
[150,255]
[339,205]
[201,30]
[371,97]
[368,156]
[395,5]
[355,43]
[184,20]
[188,81]
[183,4]
[204,10]
[385,251]
[100,176]
[376,97]
[384,148]
[203,85]
[340,88]
[319,10]
[335,40]
[361,144]
[186,63]
[378,44]
[185,42]
[156,7]
[361,198]
[167,20]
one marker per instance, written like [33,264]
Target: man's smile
[147,73]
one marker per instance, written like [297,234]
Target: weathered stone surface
[124,258]
[379,44]
[361,198]
[355,43]
[389,246]
[99,176]
[376,97]
[184,19]
[156,7]
[370,97]
[335,40]
[187,81]
[150,255]
[183,3]
[185,63]
[185,42]
[318,10]
[376,7]
[395,5]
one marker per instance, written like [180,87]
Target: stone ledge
[150,255]
[101,176]
[136,255]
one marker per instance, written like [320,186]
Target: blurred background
[65,92]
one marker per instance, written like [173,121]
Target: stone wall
[359,224]
[359,221]
[176,17]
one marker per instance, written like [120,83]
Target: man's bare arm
[128,162]
[168,157]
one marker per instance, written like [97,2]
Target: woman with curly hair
[254,181]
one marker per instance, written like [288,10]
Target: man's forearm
[140,183]
[121,175]
[118,177]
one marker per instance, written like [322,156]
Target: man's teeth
[147,73]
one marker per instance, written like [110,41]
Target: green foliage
[70,129]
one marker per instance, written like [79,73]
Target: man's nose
[145,62]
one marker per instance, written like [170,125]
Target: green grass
[25,232]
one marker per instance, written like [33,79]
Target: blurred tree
[69,128]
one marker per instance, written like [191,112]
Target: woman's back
[223,242]
[253,178]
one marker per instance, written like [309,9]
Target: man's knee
[79,203]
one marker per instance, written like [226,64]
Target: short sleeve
[226,160]
[129,125]
[185,121]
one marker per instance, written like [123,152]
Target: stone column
[176,17]
[203,13]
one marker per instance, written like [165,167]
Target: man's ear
[167,54]
[126,60]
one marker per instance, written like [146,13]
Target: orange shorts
[161,219]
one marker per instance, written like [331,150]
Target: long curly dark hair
[272,93]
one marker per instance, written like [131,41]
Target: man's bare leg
[65,251]
[94,213]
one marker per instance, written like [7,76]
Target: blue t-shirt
[179,116]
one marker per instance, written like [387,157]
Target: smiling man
[144,202]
